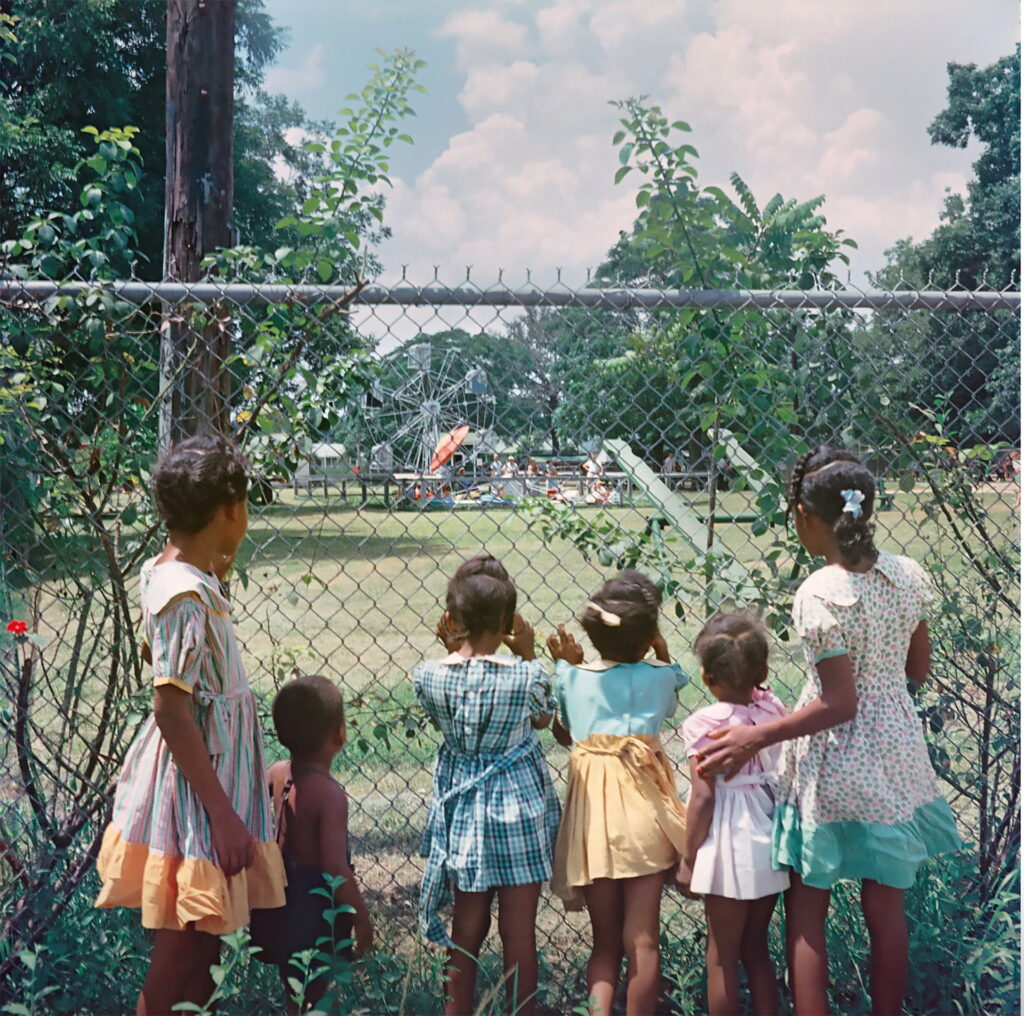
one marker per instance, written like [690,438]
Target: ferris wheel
[423,397]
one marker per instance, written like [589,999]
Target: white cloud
[483,36]
[622,24]
[308,76]
[798,96]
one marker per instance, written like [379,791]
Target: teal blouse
[606,697]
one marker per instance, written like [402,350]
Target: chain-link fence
[395,432]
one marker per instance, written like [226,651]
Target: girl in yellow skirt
[623,826]
[191,841]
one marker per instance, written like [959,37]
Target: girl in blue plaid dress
[494,815]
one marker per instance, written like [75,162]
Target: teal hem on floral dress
[891,854]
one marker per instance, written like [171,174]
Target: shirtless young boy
[312,823]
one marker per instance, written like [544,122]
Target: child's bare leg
[470,922]
[886,918]
[179,971]
[640,928]
[726,921]
[605,906]
[806,910]
[757,961]
[517,926]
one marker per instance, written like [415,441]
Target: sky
[512,167]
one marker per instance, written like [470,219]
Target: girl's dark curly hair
[195,477]
[733,650]
[481,597]
[635,600]
[818,479]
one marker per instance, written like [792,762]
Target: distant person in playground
[599,493]
[668,467]
[511,468]
[532,469]
[191,841]
[858,798]
[494,814]
[553,484]
[495,466]
[728,856]
[591,468]
[624,826]
[311,810]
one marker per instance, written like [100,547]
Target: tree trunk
[199,196]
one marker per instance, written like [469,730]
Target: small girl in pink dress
[728,853]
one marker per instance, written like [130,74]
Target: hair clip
[607,617]
[853,499]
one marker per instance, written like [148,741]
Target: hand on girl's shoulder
[694,730]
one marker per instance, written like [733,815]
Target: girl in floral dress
[191,842]
[858,798]
[494,815]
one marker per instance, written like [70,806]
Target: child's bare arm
[660,647]
[562,736]
[235,846]
[919,654]
[698,821]
[333,849]
[837,703]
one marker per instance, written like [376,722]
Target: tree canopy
[971,365]
[68,64]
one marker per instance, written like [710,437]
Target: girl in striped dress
[494,815]
[191,842]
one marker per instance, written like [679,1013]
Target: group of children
[841,788]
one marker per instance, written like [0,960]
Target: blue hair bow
[853,500]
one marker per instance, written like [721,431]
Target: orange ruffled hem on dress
[173,892]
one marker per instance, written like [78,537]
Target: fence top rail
[404,295]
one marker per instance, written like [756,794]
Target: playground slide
[675,510]
[742,461]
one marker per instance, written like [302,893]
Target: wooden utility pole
[199,201]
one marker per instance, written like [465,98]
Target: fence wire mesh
[585,430]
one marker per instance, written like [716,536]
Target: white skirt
[735,860]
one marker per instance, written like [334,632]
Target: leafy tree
[117,47]
[687,373]
[970,364]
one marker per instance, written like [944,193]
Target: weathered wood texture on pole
[198,211]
